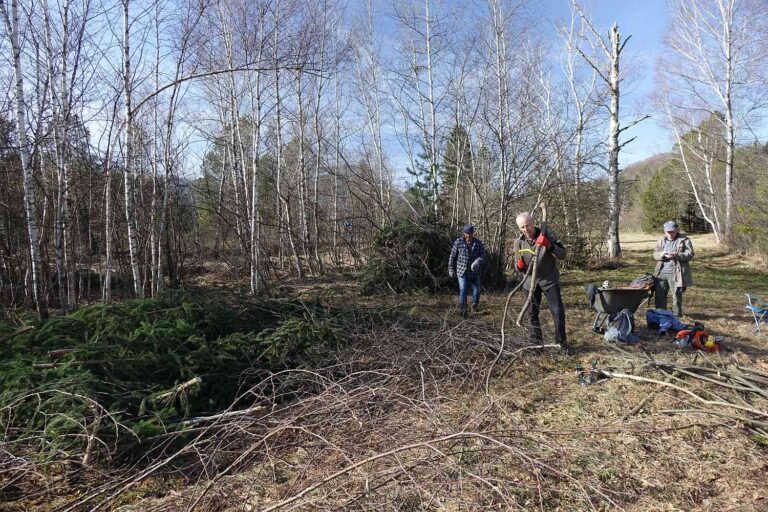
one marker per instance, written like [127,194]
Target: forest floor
[421,409]
[408,418]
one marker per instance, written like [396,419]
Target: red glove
[543,240]
[521,265]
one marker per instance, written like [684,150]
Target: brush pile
[112,376]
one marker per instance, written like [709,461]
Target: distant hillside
[636,177]
[644,169]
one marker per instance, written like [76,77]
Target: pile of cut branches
[412,256]
[109,377]
[409,256]
[716,388]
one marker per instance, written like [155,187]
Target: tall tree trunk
[336,166]
[502,91]
[284,207]
[12,28]
[433,163]
[319,147]
[302,171]
[106,294]
[130,199]
[154,220]
[730,137]
[614,203]
[256,106]
[60,108]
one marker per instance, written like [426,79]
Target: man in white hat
[673,253]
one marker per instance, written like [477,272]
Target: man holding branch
[547,275]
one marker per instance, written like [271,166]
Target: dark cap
[469,229]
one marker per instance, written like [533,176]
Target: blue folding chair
[759,311]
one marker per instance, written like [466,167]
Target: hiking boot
[475,308]
[463,312]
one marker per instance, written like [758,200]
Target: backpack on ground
[645,281]
[621,326]
[663,320]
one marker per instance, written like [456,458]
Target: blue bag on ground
[621,327]
[663,320]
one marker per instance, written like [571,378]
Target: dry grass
[402,421]
[642,242]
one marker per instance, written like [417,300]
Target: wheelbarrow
[612,300]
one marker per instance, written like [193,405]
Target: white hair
[524,216]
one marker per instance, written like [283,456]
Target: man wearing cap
[547,275]
[673,253]
[467,256]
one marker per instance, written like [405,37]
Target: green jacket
[682,267]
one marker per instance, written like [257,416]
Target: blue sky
[645,20]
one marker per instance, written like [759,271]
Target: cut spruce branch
[86,362]
[177,389]
[53,354]
[23,330]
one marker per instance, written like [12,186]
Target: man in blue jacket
[467,256]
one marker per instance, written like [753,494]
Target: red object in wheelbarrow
[612,300]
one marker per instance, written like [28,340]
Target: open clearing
[420,409]
[403,421]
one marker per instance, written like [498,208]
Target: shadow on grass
[661,347]
[703,317]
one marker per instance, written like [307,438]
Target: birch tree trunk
[432,141]
[285,224]
[58,99]
[130,200]
[302,170]
[12,29]
[612,50]
[614,200]
[502,97]
[256,112]
[154,221]
[318,135]
[336,162]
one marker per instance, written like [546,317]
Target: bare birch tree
[586,102]
[716,53]
[610,49]
[11,22]
[128,153]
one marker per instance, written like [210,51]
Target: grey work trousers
[664,284]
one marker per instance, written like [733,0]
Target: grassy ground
[404,421]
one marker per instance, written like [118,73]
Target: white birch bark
[611,50]
[614,203]
[128,156]
[285,222]
[11,22]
